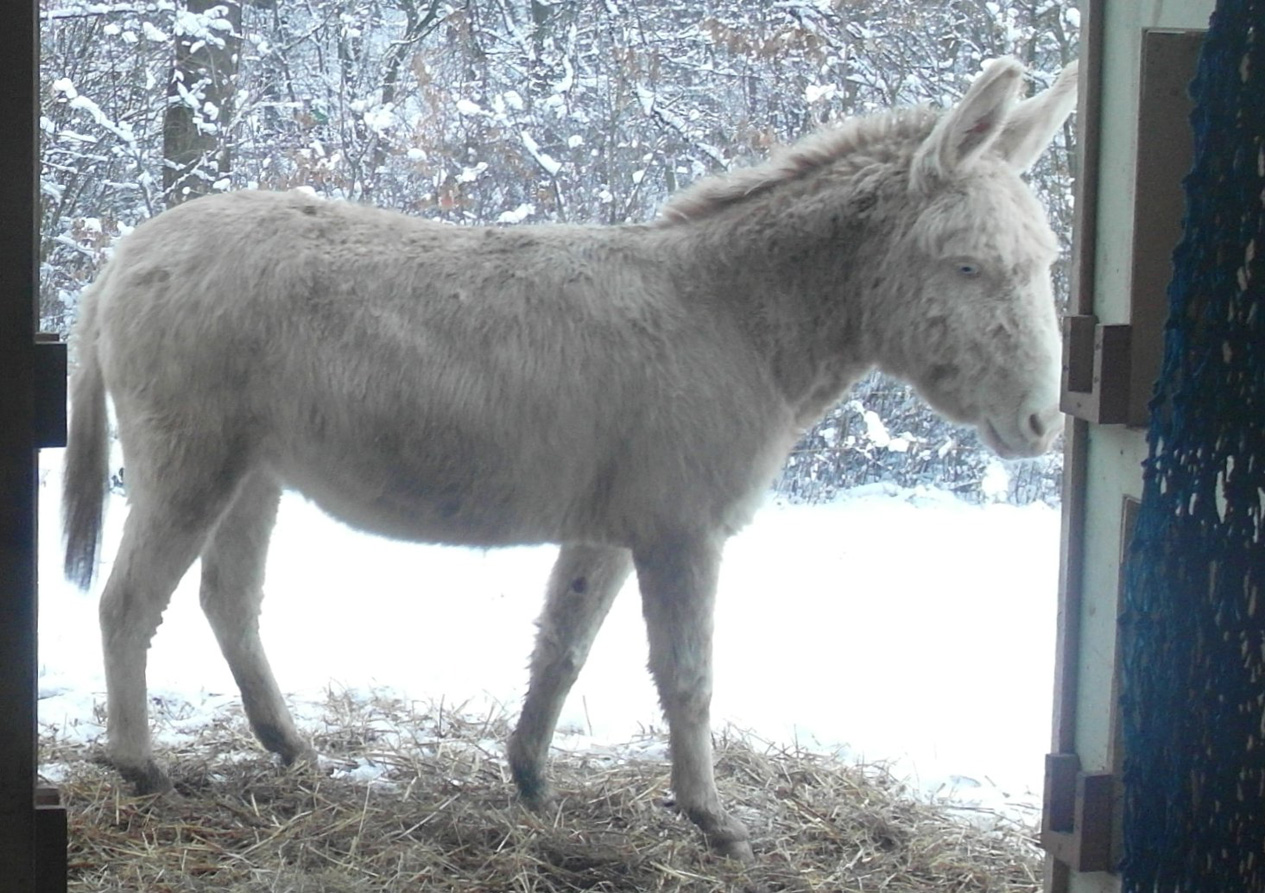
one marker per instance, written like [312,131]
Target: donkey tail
[87,452]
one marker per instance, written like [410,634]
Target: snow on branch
[651,106]
[65,88]
[89,10]
[210,27]
[548,163]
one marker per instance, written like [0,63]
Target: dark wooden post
[32,838]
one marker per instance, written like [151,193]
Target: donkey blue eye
[968,269]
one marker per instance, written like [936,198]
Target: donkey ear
[1033,122]
[969,128]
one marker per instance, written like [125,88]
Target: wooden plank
[1109,371]
[1129,508]
[1088,154]
[1075,464]
[1058,813]
[1072,534]
[1096,370]
[1169,59]
[50,392]
[1113,352]
[1076,822]
[1093,821]
[1071,584]
[1078,358]
[52,843]
[18,474]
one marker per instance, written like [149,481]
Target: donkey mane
[848,147]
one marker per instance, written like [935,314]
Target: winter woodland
[519,112]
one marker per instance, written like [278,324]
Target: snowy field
[893,626]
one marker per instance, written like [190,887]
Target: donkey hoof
[301,758]
[308,764]
[724,835]
[537,796]
[738,849]
[147,779]
[534,791]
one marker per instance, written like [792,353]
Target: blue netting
[1193,626]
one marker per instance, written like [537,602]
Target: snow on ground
[891,626]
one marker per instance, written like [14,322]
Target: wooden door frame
[1109,371]
[32,838]
[1063,812]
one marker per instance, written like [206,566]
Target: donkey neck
[794,274]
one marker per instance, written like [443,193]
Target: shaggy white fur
[626,391]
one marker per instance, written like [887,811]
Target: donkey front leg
[232,591]
[678,593]
[582,587]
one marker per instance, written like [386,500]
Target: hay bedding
[439,813]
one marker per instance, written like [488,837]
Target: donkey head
[975,328]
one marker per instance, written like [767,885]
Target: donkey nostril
[1036,424]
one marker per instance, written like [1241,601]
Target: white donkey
[627,391]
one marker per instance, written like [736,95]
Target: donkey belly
[440,488]
[425,508]
[517,493]
[449,521]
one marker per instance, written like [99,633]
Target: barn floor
[421,800]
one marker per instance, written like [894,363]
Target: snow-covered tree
[197,140]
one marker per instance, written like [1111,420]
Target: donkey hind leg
[582,586]
[232,590]
[161,539]
[678,591]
